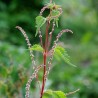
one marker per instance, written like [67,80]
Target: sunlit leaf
[60,52]
[36,47]
[54,94]
[60,94]
[40,21]
[55,13]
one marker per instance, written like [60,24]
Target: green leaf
[48,94]
[55,13]
[54,94]
[52,5]
[60,94]
[37,47]
[60,52]
[40,21]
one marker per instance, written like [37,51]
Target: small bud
[50,33]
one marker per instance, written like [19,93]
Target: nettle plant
[48,52]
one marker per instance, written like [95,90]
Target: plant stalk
[45,59]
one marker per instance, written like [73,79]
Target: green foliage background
[81,16]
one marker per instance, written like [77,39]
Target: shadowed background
[81,16]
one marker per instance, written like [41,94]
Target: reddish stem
[45,59]
[43,83]
[46,42]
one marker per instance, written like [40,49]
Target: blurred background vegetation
[81,16]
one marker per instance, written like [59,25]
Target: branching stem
[45,45]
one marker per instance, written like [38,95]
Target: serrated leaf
[40,21]
[54,94]
[36,47]
[60,52]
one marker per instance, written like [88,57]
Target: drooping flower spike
[54,46]
[29,45]
[30,80]
[43,9]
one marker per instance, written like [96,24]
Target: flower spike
[43,9]
[30,80]
[28,43]
[54,46]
